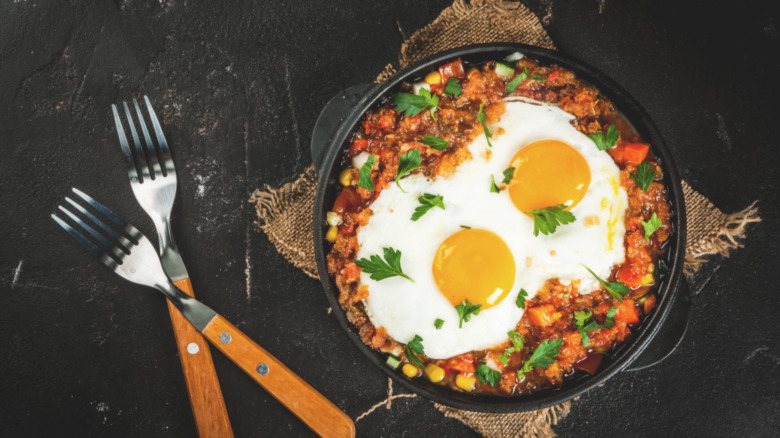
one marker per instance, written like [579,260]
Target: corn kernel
[345,177]
[465,383]
[433,78]
[648,279]
[410,370]
[330,236]
[333,218]
[471,72]
[434,372]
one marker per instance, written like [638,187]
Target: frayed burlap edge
[710,231]
[534,424]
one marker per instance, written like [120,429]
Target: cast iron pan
[660,332]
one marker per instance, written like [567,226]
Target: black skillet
[660,332]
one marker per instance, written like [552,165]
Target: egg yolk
[474,265]
[548,173]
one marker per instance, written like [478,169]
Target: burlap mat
[285,213]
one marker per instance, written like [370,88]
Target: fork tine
[158,132]
[105,258]
[113,249]
[151,153]
[140,155]
[115,218]
[128,154]
[110,231]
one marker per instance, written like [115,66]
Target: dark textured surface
[240,86]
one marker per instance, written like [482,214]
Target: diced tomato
[627,276]
[553,76]
[635,153]
[452,70]
[626,312]
[462,364]
[358,145]
[649,303]
[543,315]
[351,271]
[590,364]
[617,153]
[347,201]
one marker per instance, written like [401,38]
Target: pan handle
[331,117]
[671,333]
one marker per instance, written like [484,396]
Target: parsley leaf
[610,321]
[438,323]
[517,340]
[381,269]
[365,174]
[413,348]
[617,290]
[453,87]
[482,117]
[494,188]
[510,87]
[521,298]
[504,357]
[407,163]
[663,269]
[539,78]
[411,105]
[428,201]
[643,176]
[651,226]
[465,310]
[546,220]
[487,375]
[542,356]
[437,143]
[509,173]
[585,322]
[604,143]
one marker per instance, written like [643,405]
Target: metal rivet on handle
[262,369]
[192,348]
[225,338]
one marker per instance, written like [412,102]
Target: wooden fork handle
[322,416]
[208,406]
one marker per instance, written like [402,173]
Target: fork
[127,252]
[155,189]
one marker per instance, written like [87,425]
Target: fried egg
[481,246]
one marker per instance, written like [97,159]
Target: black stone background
[83,353]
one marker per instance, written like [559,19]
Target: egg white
[406,308]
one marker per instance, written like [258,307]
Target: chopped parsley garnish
[542,356]
[585,322]
[465,310]
[617,290]
[643,176]
[365,174]
[521,296]
[510,87]
[437,143]
[427,201]
[509,173]
[539,78]
[381,269]
[438,323]
[482,117]
[517,344]
[663,269]
[494,188]
[546,220]
[453,87]
[411,105]
[651,226]
[604,143]
[407,163]
[567,295]
[413,348]
[465,227]
[487,375]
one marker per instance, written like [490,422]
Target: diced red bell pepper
[452,70]
[635,153]
[626,312]
[462,364]
[347,201]
[358,146]
[553,75]
[543,315]
[590,364]
[627,276]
